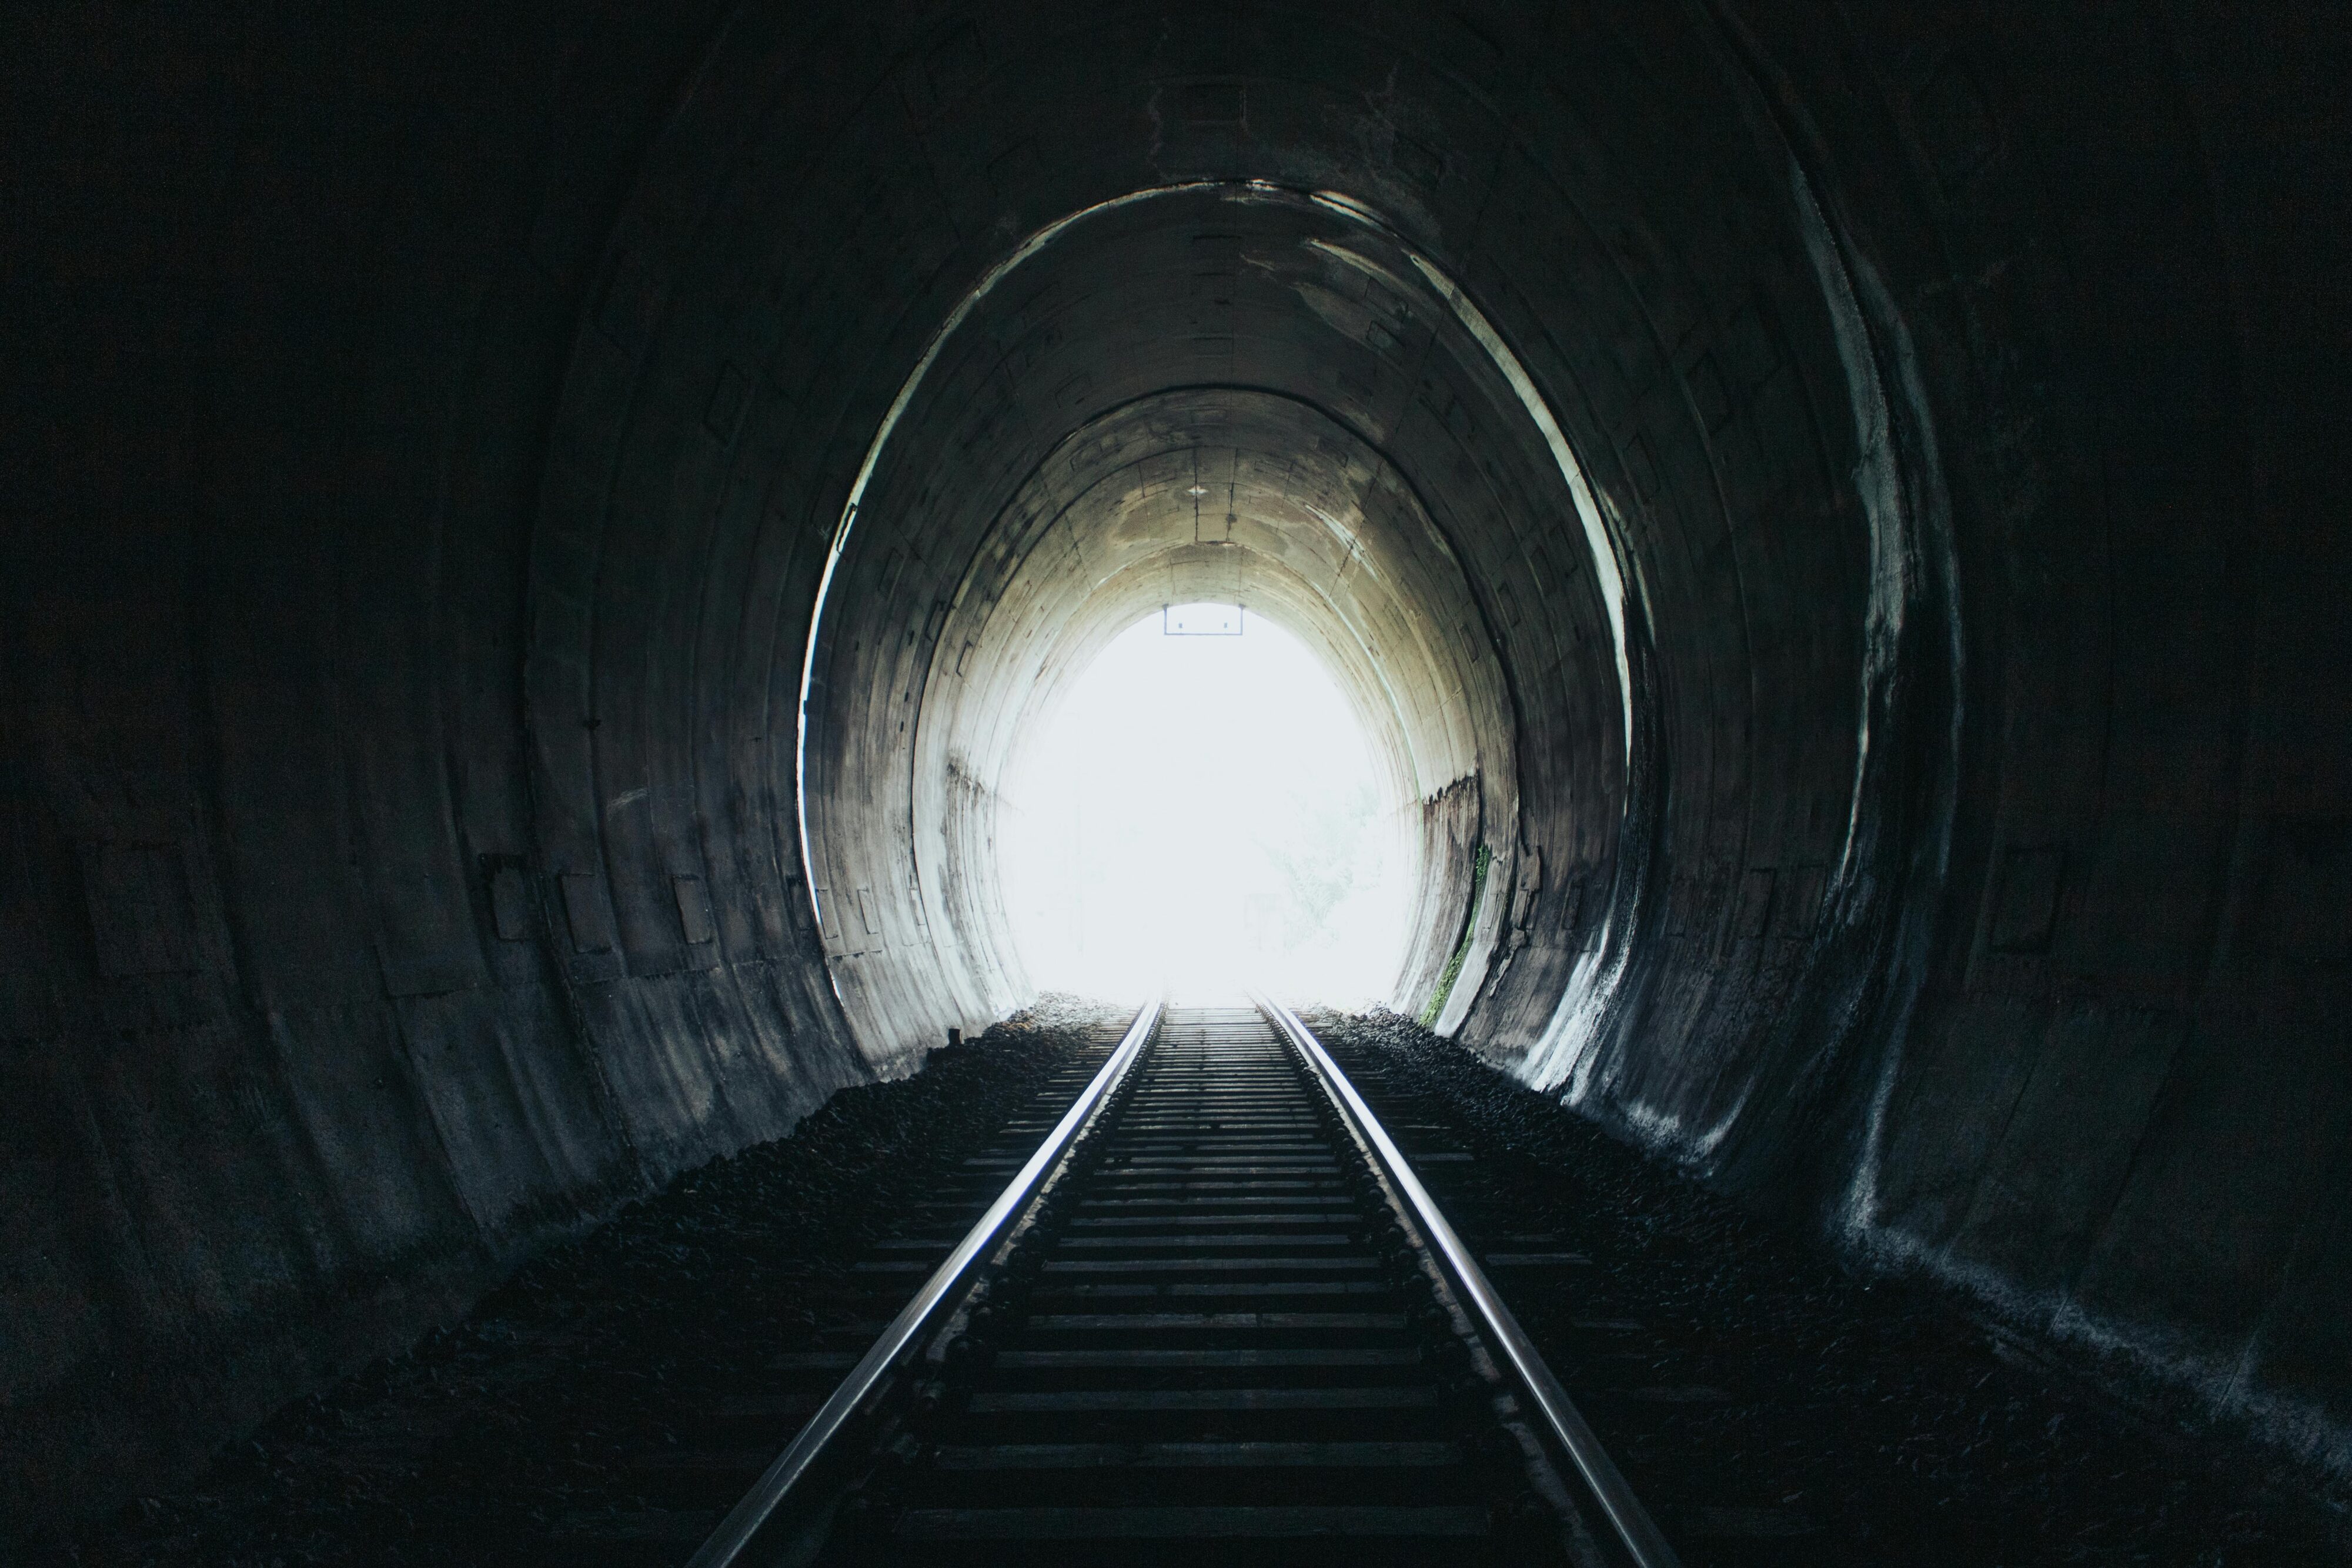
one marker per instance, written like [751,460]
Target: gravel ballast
[551,1411]
[1773,1406]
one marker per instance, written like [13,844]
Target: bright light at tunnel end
[1201,812]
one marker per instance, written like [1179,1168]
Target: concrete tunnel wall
[1105,531]
[1847,509]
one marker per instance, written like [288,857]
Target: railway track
[1213,1317]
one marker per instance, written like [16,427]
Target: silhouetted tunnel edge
[432,472]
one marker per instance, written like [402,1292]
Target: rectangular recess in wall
[511,902]
[586,911]
[693,895]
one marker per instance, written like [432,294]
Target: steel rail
[744,1522]
[1635,1530]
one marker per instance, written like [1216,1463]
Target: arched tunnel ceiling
[1302,352]
[1843,508]
[1296,519]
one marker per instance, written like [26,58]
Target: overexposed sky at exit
[1204,808]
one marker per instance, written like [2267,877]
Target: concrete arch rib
[1314,498]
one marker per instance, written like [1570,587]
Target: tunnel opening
[1201,812]
[1036,485]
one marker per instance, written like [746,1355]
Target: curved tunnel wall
[431,439]
[1209,288]
[1106,530]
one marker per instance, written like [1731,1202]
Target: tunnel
[536,534]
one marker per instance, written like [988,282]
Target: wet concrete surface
[1772,1407]
[615,1397]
